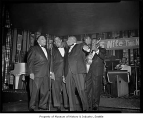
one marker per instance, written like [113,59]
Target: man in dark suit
[94,76]
[75,71]
[58,86]
[38,68]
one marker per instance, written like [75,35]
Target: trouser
[93,89]
[39,92]
[59,89]
[65,95]
[76,81]
[56,91]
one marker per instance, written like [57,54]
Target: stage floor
[123,105]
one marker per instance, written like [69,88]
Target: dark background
[75,18]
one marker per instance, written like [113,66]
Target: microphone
[50,44]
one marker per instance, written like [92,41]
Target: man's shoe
[42,109]
[31,110]
[95,108]
[58,108]
[67,108]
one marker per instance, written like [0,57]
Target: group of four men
[64,69]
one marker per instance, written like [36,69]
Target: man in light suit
[75,71]
[38,67]
[58,86]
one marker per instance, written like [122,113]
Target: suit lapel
[72,49]
[48,53]
[58,51]
[96,54]
[56,48]
[66,51]
[41,51]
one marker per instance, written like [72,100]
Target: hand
[86,48]
[95,48]
[118,67]
[52,75]
[32,76]
[64,80]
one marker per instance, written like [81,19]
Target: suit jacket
[37,62]
[75,60]
[97,66]
[58,62]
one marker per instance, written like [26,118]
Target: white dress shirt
[97,52]
[91,56]
[44,50]
[126,67]
[62,51]
[72,47]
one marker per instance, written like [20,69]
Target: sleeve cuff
[88,50]
[97,52]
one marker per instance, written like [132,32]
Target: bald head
[71,40]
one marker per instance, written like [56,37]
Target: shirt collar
[41,46]
[73,45]
[60,47]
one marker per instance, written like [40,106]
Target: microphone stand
[136,91]
[104,77]
[50,77]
